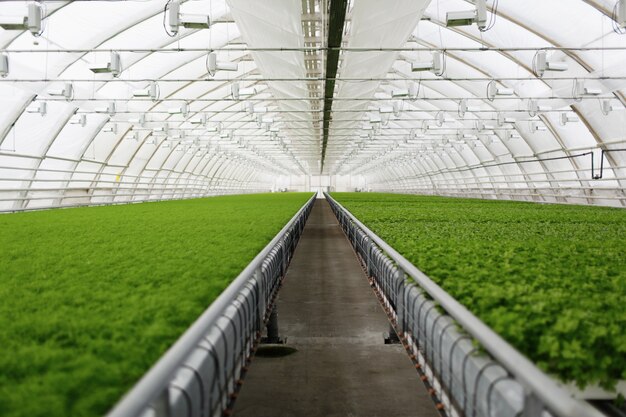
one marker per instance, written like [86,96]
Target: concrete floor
[329,314]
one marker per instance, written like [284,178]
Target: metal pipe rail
[200,373]
[503,384]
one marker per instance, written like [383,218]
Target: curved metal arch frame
[90,141]
[552,130]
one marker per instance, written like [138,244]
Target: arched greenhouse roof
[391,96]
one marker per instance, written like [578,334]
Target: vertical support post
[400,302]
[258,279]
[272,325]
[161,405]
[272,328]
[532,405]
[391,338]
[397,286]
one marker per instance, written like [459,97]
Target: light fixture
[182,109]
[566,118]
[141,120]
[200,120]
[41,108]
[606,107]
[67,91]
[162,129]
[134,136]
[493,90]
[413,91]
[398,106]
[213,65]
[30,22]
[580,90]
[588,91]
[483,127]
[189,21]
[508,135]
[468,17]
[400,92]
[151,91]
[248,91]
[435,65]
[534,108]
[110,109]
[4,65]
[110,129]
[259,110]
[114,66]
[234,90]
[542,64]
[385,109]
[464,108]
[537,127]
[216,128]
[375,118]
[502,119]
[79,120]
[439,119]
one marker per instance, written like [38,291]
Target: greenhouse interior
[323,208]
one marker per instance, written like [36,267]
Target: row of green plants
[90,298]
[551,279]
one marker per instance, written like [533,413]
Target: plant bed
[551,279]
[91,297]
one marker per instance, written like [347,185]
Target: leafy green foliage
[551,279]
[91,297]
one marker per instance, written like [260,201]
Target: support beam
[336,21]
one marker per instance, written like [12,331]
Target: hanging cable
[492,18]
[604,151]
[165,9]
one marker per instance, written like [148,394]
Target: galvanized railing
[439,333]
[201,373]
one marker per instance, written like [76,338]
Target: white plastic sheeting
[448,136]
[432,147]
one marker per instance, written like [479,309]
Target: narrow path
[330,315]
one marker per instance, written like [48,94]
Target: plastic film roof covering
[124,155]
[372,25]
[277,24]
[431,146]
[449,139]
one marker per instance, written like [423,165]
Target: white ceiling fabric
[427,146]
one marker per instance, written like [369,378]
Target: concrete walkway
[330,315]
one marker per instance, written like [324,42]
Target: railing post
[161,405]
[258,278]
[532,405]
[272,327]
[400,310]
